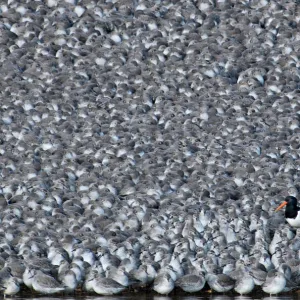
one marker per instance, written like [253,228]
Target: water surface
[177,296]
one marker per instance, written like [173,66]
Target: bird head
[289,200]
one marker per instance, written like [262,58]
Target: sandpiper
[191,283]
[275,283]
[244,284]
[220,282]
[10,286]
[163,284]
[45,284]
[106,286]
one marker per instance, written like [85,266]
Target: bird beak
[281,206]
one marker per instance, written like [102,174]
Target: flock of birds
[147,144]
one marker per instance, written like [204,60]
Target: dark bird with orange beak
[292,214]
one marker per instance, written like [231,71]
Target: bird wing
[48,281]
[225,280]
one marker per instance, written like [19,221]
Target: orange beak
[284,203]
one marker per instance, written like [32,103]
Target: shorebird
[244,284]
[292,214]
[45,284]
[191,283]
[10,287]
[275,283]
[106,286]
[220,282]
[163,284]
[156,160]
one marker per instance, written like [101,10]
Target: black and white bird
[292,214]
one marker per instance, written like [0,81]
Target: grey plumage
[149,138]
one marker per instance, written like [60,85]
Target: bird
[220,283]
[244,284]
[163,284]
[292,214]
[158,162]
[191,283]
[117,274]
[28,277]
[106,286]
[275,282]
[10,287]
[70,281]
[45,284]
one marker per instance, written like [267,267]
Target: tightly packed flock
[144,145]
